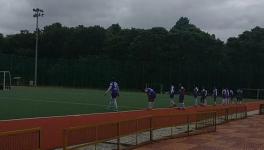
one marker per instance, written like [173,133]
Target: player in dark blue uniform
[172,93]
[114,88]
[203,97]
[215,93]
[181,97]
[231,95]
[224,95]
[228,96]
[195,95]
[151,97]
[239,95]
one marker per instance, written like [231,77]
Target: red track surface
[52,127]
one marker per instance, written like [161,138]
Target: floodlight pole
[37,13]
[36,53]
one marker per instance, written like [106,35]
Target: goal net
[253,94]
[5,80]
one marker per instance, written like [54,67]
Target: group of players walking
[227,95]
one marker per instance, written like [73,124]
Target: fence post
[137,133]
[245,116]
[40,139]
[204,119]
[96,137]
[188,127]
[196,121]
[236,112]
[258,94]
[171,130]
[65,141]
[215,120]
[118,135]
[260,107]
[150,130]
[226,114]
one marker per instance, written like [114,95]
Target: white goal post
[5,80]
[253,93]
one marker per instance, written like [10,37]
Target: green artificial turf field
[27,102]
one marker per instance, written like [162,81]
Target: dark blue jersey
[203,93]
[181,94]
[114,87]
[172,91]
[195,91]
[215,92]
[151,93]
[224,93]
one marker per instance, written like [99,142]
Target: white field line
[90,114]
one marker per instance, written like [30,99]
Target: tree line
[90,56]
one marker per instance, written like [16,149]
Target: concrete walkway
[247,134]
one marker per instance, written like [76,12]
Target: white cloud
[223,18]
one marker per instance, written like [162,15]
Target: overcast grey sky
[224,18]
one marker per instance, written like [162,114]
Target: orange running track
[52,127]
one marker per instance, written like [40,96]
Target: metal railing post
[196,122]
[150,130]
[258,94]
[226,114]
[245,111]
[96,137]
[188,127]
[203,121]
[118,135]
[137,134]
[261,109]
[215,120]
[65,141]
[40,139]
[236,112]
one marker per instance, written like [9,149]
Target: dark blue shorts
[181,98]
[215,98]
[151,98]
[114,95]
